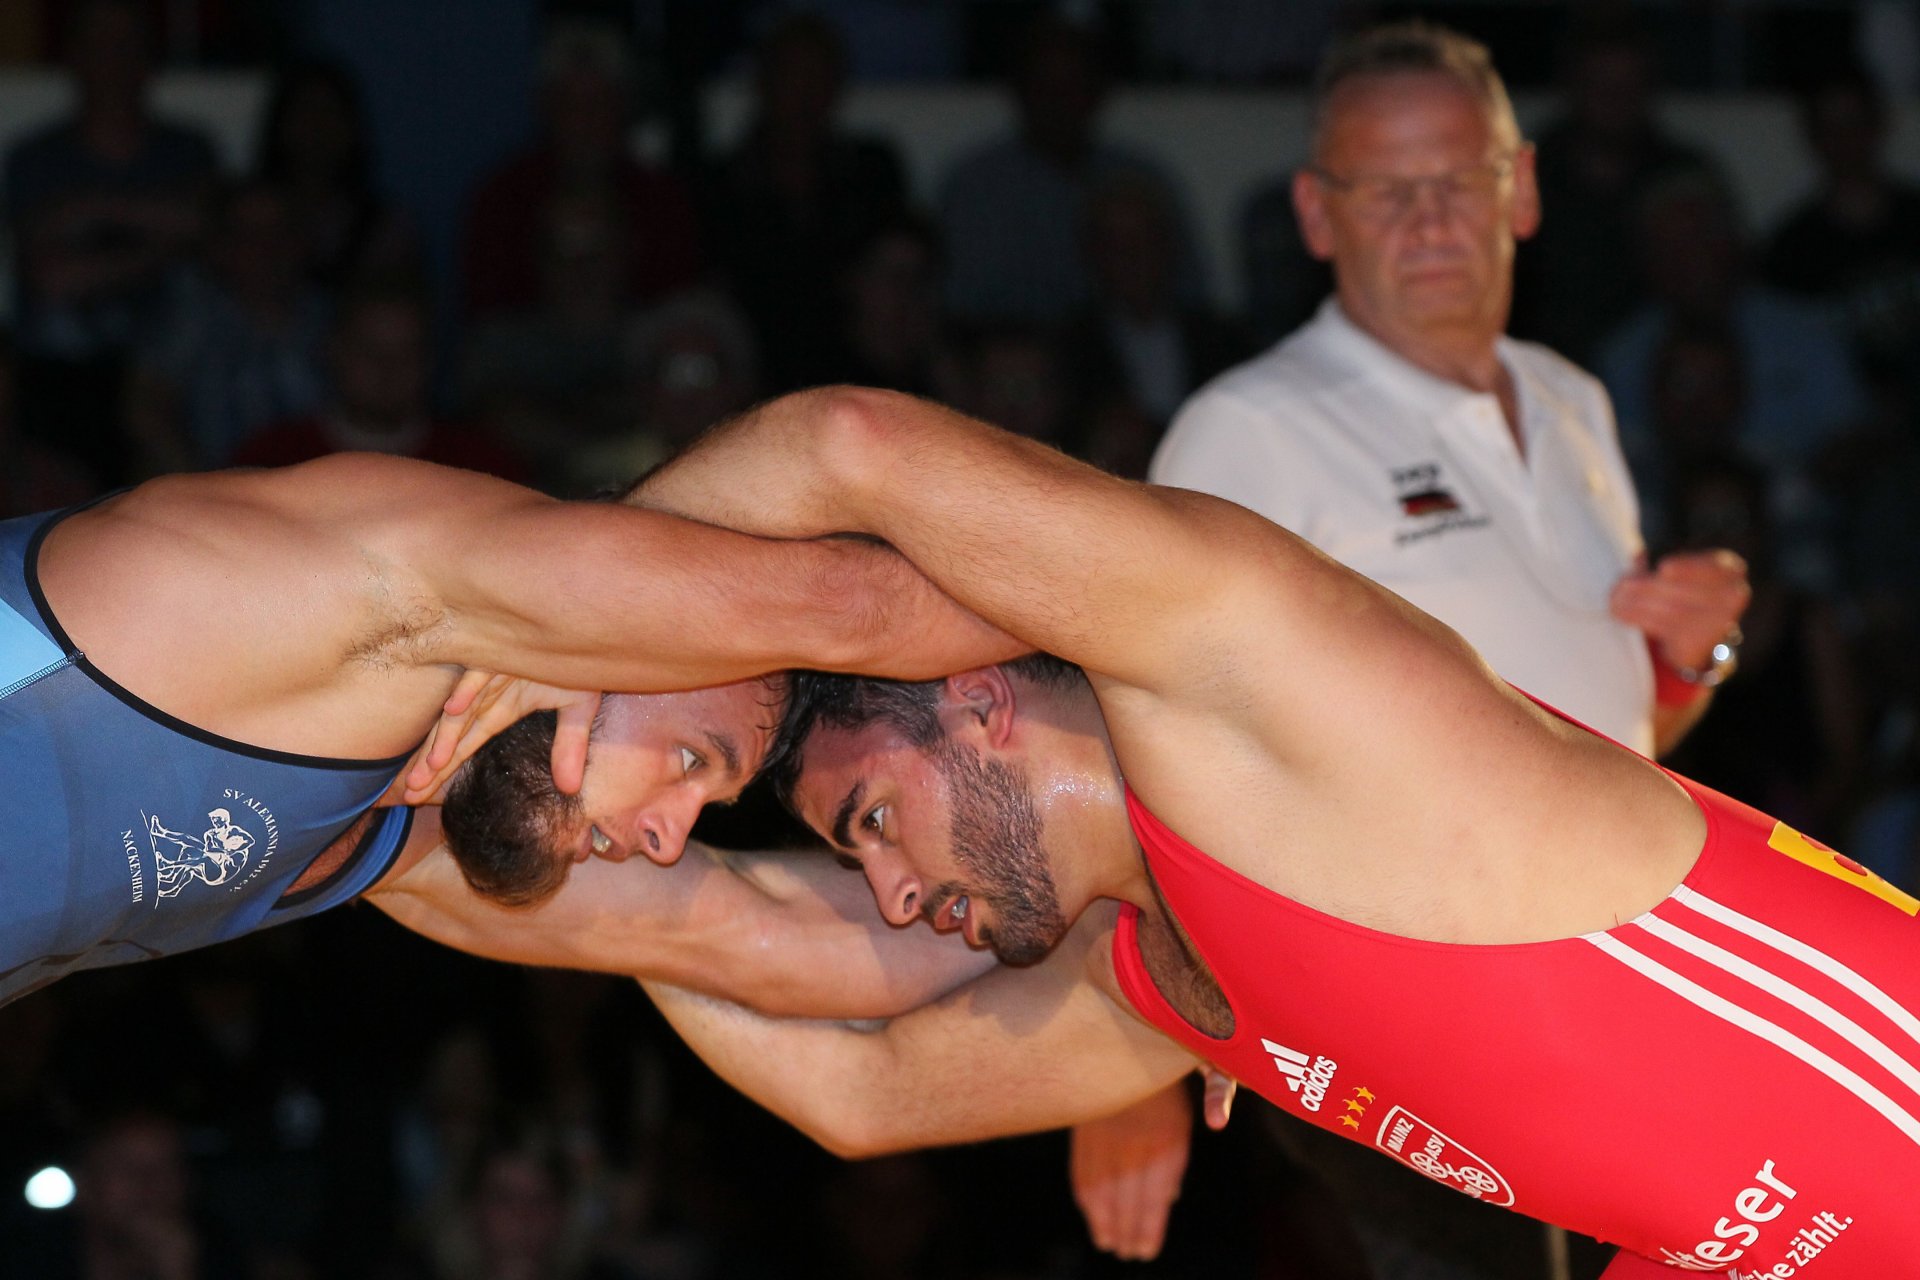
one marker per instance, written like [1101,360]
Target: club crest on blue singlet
[228,846]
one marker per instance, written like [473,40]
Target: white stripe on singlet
[1755,1025]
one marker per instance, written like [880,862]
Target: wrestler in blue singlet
[126,834]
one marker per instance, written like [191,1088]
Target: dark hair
[1415,45]
[821,699]
[498,808]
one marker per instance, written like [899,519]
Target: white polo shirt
[1416,482]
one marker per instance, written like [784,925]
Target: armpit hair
[400,625]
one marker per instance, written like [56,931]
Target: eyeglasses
[1386,198]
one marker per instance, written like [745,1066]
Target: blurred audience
[586,112]
[786,209]
[1012,209]
[1579,278]
[1796,691]
[1284,283]
[893,334]
[136,1213]
[1015,376]
[688,363]
[316,145]
[520,1217]
[101,203]
[1136,351]
[238,343]
[378,363]
[1853,245]
[34,476]
[550,377]
[1802,395]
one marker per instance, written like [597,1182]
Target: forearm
[777,471]
[790,934]
[1672,723]
[1017,1051]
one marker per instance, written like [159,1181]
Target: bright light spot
[50,1188]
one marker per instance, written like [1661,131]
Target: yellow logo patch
[1796,846]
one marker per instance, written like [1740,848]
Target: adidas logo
[1309,1080]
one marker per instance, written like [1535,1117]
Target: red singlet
[1729,1083]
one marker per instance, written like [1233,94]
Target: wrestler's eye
[689,760]
[876,820]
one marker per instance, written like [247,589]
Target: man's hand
[1127,1169]
[1686,605]
[483,704]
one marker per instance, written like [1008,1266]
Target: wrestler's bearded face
[995,830]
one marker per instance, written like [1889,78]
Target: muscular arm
[619,597]
[350,589]
[784,933]
[1016,1051]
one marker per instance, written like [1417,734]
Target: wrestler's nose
[895,888]
[664,833]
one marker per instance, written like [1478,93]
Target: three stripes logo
[1308,1079]
[1782,991]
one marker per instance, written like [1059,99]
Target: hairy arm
[784,933]
[613,596]
[1016,1051]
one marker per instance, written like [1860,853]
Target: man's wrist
[1675,685]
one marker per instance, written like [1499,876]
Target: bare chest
[1181,976]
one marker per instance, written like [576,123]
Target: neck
[1083,809]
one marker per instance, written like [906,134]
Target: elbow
[852,1137]
[854,430]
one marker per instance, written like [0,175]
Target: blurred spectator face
[1699,395]
[319,130]
[584,98]
[1691,247]
[112,57]
[800,77]
[584,257]
[256,248]
[1726,507]
[520,1213]
[1060,89]
[1417,197]
[381,362]
[893,292]
[1017,384]
[1846,129]
[1610,90]
[134,1172]
[693,383]
[1130,245]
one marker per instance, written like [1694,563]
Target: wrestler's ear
[979,704]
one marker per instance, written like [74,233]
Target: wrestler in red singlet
[1729,1083]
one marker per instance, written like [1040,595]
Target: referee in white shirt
[1402,433]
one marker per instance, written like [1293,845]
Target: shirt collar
[1393,374]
